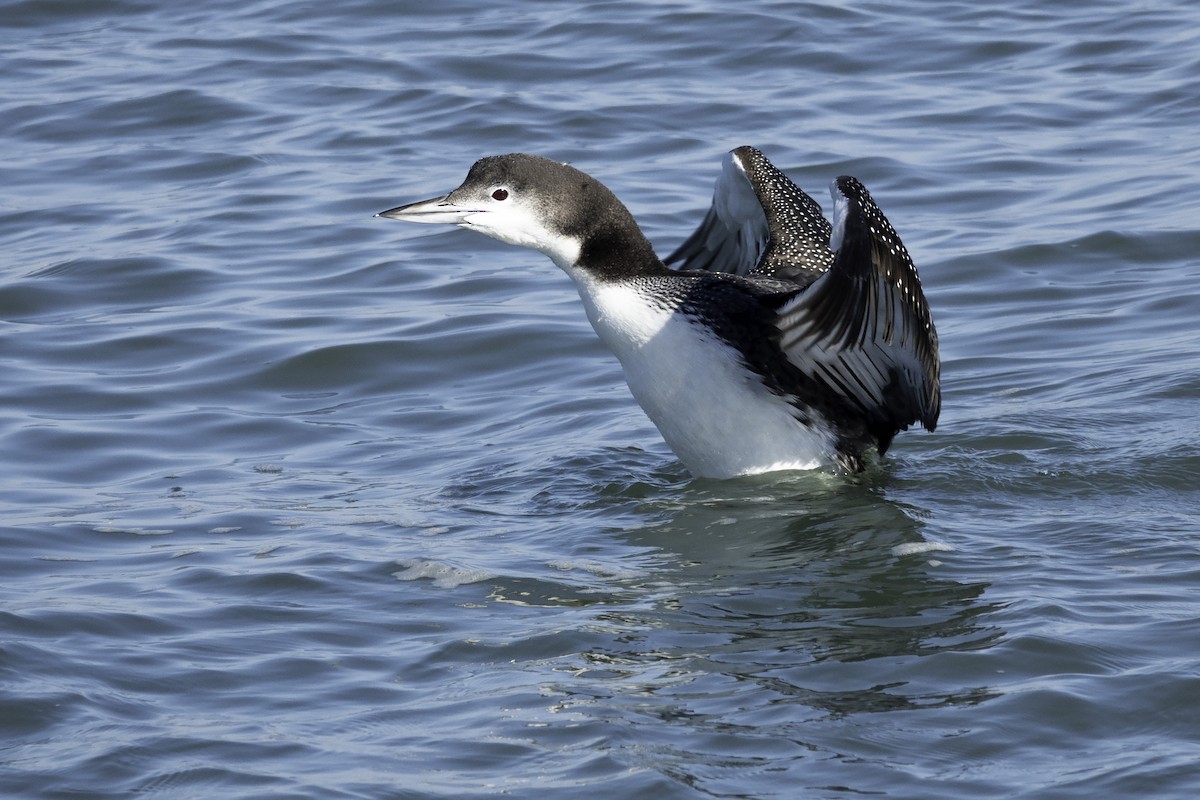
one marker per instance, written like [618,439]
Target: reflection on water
[792,585]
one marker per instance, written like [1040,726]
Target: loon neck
[617,249]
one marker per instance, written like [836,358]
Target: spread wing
[856,320]
[760,224]
[863,328]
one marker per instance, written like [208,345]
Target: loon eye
[500,194]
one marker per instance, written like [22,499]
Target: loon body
[779,342]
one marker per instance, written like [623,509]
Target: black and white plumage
[781,342]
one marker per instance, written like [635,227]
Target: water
[302,503]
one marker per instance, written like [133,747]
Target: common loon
[780,342]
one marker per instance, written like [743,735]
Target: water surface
[302,503]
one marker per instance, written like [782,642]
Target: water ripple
[303,503]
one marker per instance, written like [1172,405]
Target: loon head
[537,203]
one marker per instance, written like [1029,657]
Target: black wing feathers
[864,326]
[854,334]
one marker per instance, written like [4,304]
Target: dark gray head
[538,203]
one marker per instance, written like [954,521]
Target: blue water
[301,503]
